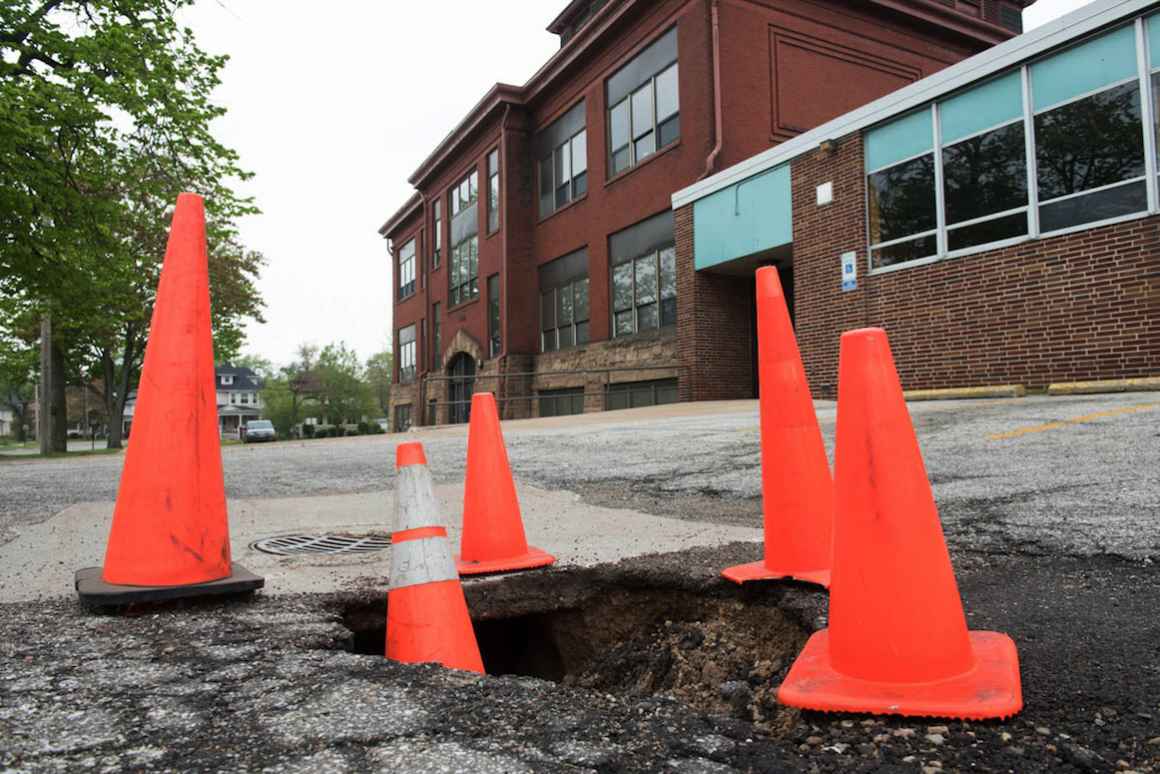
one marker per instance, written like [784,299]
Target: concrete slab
[42,560]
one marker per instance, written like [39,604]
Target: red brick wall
[1074,307]
[714,325]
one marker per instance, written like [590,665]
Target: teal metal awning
[751,216]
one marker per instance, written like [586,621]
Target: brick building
[540,257]
[998,219]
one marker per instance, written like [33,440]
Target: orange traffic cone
[898,641]
[170,533]
[493,530]
[427,618]
[796,489]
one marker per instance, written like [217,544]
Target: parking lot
[1050,506]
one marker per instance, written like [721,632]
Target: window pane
[922,247]
[547,187]
[473,187]
[985,174]
[580,153]
[622,287]
[620,160]
[580,290]
[581,333]
[618,126]
[624,323]
[670,130]
[646,279]
[493,162]
[1089,143]
[669,311]
[642,111]
[548,310]
[902,200]
[1007,227]
[668,98]
[565,337]
[644,146]
[646,316]
[564,307]
[579,185]
[1101,205]
[549,341]
[563,175]
[669,272]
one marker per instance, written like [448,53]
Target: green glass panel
[900,139]
[1084,68]
[993,103]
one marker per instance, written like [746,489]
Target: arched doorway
[461,369]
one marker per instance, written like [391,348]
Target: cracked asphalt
[1051,508]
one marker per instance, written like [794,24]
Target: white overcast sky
[333,111]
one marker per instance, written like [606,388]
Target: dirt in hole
[723,653]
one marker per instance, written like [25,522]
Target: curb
[962,393]
[1106,385]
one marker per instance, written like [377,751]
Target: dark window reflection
[902,200]
[1101,205]
[1007,227]
[912,250]
[985,174]
[1089,143]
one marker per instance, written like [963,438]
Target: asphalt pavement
[1051,508]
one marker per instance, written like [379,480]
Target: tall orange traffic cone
[427,618]
[493,531]
[797,491]
[898,641]
[170,532]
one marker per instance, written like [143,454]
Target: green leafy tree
[378,374]
[343,392]
[17,383]
[105,115]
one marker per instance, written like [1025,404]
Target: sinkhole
[721,649]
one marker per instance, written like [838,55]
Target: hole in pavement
[723,651]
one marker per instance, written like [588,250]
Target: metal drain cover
[297,545]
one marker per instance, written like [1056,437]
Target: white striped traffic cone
[427,618]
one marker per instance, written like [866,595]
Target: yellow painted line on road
[1118,412]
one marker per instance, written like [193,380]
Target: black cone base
[95,591]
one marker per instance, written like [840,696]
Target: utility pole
[44,397]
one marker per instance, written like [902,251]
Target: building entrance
[460,387]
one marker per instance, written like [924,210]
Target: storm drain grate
[295,545]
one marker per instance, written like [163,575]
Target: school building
[544,256]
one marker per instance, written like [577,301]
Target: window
[402,418]
[245,399]
[1089,147]
[637,394]
[436,338]
[561,152]
[437,252]
[984,156]
[227,379]
[493,314]
[1007,168]
[493,192]
[644,276]
[901,190]
[407,269]
[644,100]
[558,403]
[407,354]
[564,302]
[463,275]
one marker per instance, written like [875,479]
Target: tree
[17,383]
[256,363]
[343,392]
[105,116]
[378,374]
